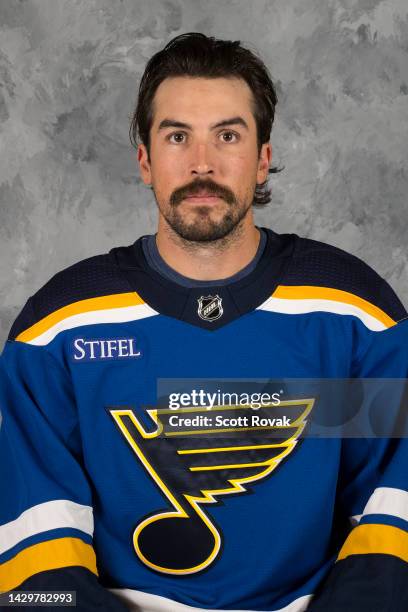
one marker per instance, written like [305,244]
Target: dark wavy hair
[197,55]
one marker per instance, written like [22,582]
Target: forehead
[202,100]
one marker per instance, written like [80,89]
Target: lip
[203,198]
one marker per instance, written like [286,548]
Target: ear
[264,161]
[144,164]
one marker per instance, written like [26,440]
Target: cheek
[166,168]
[240,164]
[164,175]
[242,171]
[241,161]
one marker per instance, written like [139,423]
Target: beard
[203,228]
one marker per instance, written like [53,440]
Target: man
[108,495]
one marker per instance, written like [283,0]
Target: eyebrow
[166,123]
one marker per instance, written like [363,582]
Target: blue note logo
[103,349]
[180,536]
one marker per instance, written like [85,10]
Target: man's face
[203,144]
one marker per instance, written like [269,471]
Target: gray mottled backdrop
[69,72]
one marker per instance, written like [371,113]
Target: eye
[170,136]
[229,133]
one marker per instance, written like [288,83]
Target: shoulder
[95,277]
[330,271]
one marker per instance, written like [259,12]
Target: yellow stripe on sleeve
[376,539]
[119,300]
[309,292]
[53,554]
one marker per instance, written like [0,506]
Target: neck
[209,260]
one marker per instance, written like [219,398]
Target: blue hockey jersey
[100,496]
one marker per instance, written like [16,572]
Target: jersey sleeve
[371,571]
[46,513]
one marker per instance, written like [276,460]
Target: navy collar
[201,306]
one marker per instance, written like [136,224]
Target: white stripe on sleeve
[55,514]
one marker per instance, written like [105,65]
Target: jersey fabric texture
[96,502]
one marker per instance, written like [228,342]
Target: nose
[201,162]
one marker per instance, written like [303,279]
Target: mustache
[203,185]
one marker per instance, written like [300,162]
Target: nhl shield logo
[210,307]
